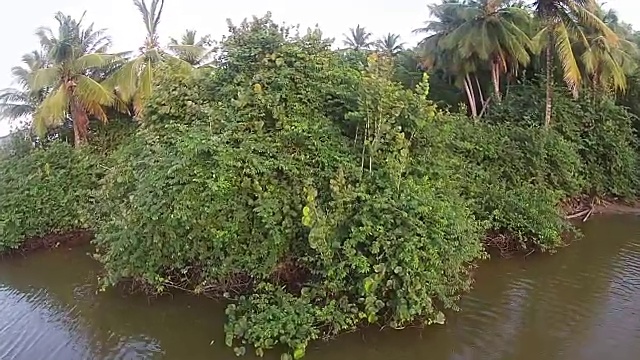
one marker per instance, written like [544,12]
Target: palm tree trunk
[547,112]
[468,89]
[479,89]
[495,78]
[80,123]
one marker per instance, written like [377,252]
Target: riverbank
[578,208]
[68,239]
[582,208]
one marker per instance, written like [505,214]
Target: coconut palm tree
[492,31]
[133,81]
[562,22]
[22,101]
[73,54]
[358,39]
[607,64]
[408,70]
[467,37]
[390,44]
[194,52]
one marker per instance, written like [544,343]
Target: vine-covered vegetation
[315,190]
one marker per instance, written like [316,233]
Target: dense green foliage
[602,135]
[46,190]
[321,207]
[321,190]
[318,195]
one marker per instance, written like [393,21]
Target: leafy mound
[285,179]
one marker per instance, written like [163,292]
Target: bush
[601,133]
[46,191]
[291,170]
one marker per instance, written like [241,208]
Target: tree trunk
[495,78]
[468,89]
[479,89]
[80,123]
[547,112]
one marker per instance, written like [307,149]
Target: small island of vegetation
[320,189]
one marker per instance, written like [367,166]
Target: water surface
[582,303]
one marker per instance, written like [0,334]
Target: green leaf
[299,353]
[368,285]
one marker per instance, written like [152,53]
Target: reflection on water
[582,303]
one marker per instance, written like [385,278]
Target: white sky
[20,18]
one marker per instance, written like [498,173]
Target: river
[582,303]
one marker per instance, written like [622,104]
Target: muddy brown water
[582,303]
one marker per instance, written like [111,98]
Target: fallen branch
[588,214]
[579,214]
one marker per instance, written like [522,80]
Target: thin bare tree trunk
[479,89]
[470,96]
[495,78]
[548,104]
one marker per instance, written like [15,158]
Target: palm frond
[15,111]
[96,110]
[124,81]
[571,71]
[15,104]
[52,111]
[89,91]
[10,95]
[44,78]
[150,16]
[94,60]
[145,87]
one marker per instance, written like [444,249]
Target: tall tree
[563,21]
[494,32]
[21,101]
[465,38]
[191,49]
[358,39]
[606,64]
[133,81]
[73,53]
[390,44]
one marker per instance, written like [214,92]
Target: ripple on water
[33,327]
[582,303]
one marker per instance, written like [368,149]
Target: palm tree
[74,53]
[133,81]
[439,53]
[358,39]
[408,70]
[492,31]
[22,101]
[562,21]
[434,56]
[390,44]
[194,52]
[607,64]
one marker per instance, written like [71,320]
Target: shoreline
[70,239]
[575,209]
[582,208]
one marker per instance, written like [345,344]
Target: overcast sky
[20,18]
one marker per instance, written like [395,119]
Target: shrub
[288,168]
[46,190]
[601,133]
